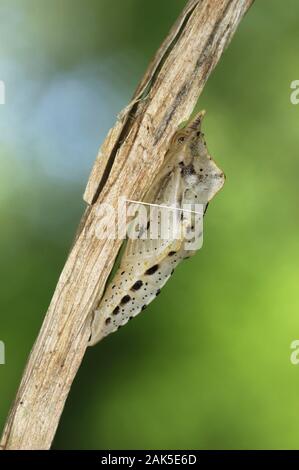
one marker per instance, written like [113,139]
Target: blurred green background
[208,364]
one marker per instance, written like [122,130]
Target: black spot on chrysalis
[125,299]
[171,253]
[152,270]
[137,285]
[116,310]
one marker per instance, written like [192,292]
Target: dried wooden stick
[127,163]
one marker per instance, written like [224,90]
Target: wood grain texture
[126,165]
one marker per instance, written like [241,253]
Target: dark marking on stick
[169,114]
